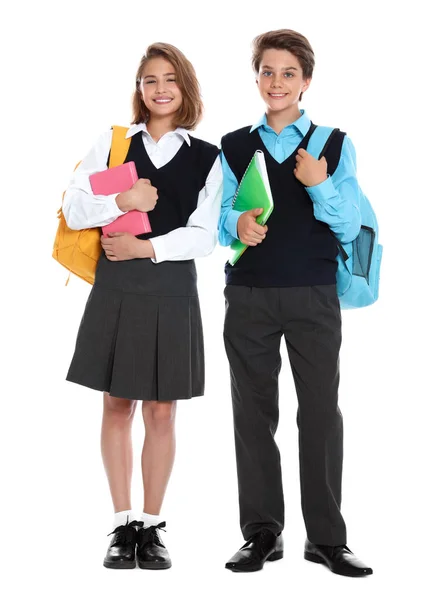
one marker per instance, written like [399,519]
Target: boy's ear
[307,84]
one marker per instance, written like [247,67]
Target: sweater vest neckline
[176,158]
[260,145]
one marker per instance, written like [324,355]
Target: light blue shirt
[335,200]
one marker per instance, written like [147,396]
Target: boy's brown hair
[190,113]
[285,39]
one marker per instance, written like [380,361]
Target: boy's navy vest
[178,182]
[298,249]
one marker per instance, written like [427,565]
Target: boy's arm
[227,226]
[336,200]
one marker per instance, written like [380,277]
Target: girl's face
[280,79]
[159,89]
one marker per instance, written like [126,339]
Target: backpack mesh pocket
[362,252]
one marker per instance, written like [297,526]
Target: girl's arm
[81,209]
[199,237]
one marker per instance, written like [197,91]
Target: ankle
[150,520]
[122,517]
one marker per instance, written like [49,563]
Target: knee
[119,409]
[159,417]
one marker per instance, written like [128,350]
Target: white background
[68,73]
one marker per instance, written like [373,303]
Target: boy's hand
[310,171]
[121,246]
[249,232]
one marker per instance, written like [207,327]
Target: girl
[141,334]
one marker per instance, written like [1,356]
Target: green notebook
[253,192]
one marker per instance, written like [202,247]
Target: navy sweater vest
[298,249]
[178,182]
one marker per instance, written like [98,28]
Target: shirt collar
[302,123]
[183,133]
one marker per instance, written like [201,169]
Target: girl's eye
[172,80]
[151,81]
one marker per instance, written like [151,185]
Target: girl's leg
[116,448]
[158,451]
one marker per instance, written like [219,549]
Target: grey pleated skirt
[141,334]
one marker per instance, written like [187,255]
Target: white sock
[121,518]
[150,520]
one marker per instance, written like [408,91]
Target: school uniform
[286,286]
[141,334]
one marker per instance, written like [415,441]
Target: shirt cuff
[111,201]
[322,192]
[231,222]
[158,244]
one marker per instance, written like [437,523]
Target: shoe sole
[317,559]
[272,558]
[154,566]
[120,565]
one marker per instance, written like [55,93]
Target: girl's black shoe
[151,551]
[121,553]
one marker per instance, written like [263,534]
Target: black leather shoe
[151,551]
[339,559]
[121,553]
[262,546]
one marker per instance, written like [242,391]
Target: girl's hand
[122,246]
[144,195]
[310,171]
[141,196]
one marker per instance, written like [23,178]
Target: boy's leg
[313,338]
[252,340]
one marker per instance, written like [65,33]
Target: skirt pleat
[134,342]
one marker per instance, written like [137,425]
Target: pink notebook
[134,222]
[115,181]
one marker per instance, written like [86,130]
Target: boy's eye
[288,74]
[267,73]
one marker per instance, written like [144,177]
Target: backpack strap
[317,145]
[119,147]
[320,140]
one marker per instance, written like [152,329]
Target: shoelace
[336,550]
[263,533]
[125,534]
[150,534]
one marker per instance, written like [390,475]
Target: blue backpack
[358,274]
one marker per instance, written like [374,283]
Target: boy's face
[280,79]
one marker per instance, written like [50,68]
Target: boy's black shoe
[262,546]
[151,551]
[339,559]
[121,553]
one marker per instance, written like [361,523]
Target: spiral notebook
[115,181]
[253,192]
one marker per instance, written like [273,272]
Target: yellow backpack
[79,250]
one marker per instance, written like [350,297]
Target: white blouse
[83,210]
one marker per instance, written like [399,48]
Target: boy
[285,283]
